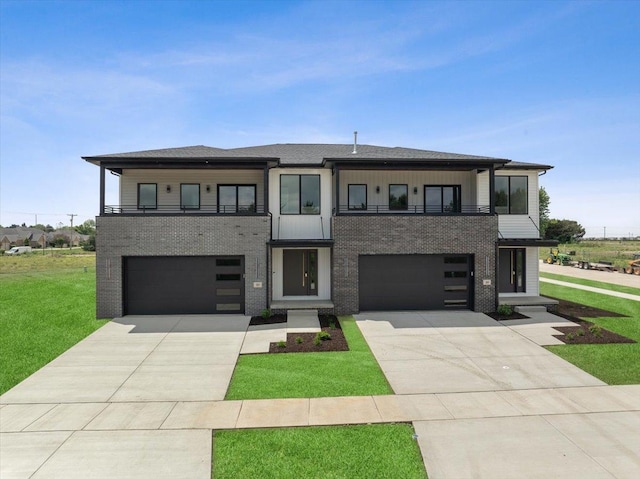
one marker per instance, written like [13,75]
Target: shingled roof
[289,154]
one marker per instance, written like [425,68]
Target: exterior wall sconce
[377,189]
[415,190]
[208,188]
[168,188]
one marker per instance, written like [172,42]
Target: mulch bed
[337,342]
[503,317]
[273,319]
[580,333]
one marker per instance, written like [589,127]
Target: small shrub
[299,340]
[323,335]
[332,324]
[571,336]
[282,344]
[317,341]
[505,310]
[580,332]
[596,330]
[265,313]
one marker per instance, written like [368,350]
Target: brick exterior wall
[407,234]
[119,236]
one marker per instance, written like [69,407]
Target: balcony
[455,210]
[172,210]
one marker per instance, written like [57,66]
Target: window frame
[155,207]
[182,205]
[400,208]
[237,188]
[300,205]
[366,201]
[510,194]
[457,193]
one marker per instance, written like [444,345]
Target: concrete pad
[543,339]
[400,347]
[101,353]
[258,341]
[203,415]
[131,454]
[15,417]
[541,401]
[131,416]
[477,405]
[611,439]
[436,376]
[176,383]
[459,320]
[274,413]
[191,358]
[158,325]
[602,398]
[67,417]
[23,453]
[633,390]
[303,321]
[502,448]
[212,323]
[417,407]
[529,372]
[485,343]
[69,384]
[343,410]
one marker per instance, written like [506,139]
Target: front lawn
[363,451]
[612,363]
[41,316]
[300,375]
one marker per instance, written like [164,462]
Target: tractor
[555,257]
[633,267]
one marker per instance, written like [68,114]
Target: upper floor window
[398,197]
[300,194]
[511,195]
[147,196]
[442,199]
[236,198]
[357,197]
[189,196]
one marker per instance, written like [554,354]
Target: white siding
[301,226]
[482,188]
[522,226]
[415,178]
[324,275]
[130,179]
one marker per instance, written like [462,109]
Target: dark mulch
[503,317]
[273,319]
[337,342]
[580,333]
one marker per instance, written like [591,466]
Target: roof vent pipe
[355,143]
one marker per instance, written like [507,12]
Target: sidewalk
[632,297]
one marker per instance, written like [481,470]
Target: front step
[530,309]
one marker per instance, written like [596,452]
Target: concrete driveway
[461,351]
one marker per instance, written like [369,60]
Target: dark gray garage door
[184,285]
[415,282]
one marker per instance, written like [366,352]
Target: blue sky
[546,82]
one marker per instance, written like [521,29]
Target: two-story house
[345,228]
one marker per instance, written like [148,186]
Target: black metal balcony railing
[416,209]
[251,210]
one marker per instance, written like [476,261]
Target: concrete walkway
[140,397]
[617,294]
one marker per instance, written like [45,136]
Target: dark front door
[511,267]
[300,267]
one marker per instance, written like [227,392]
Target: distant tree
[13,225]
[90,244]
[86,228]
[543,202]
[27,242]
[24,225]
[564,231]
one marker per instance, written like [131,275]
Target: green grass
[353,452]
[612,363]
[41,316]
[348,373]
[52,260]
[593,284]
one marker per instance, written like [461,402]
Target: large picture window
[300,194]
[236,198]
[511,195]
[357,197]
[189,196]
[442,199]
[398,197]
[147,196]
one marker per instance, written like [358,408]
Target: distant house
[16,237]
[344,228]
[71,237]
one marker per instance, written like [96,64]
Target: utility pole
[605,232]
[72,215]
[71,232]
